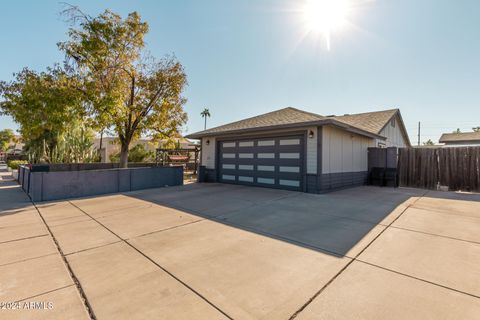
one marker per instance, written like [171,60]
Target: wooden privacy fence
[456,167]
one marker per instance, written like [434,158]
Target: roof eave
[201,134]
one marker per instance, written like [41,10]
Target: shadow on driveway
[339,223]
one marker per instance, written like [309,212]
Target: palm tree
[205,113]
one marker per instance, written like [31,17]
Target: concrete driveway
[212,251]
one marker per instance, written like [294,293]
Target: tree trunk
[100,149]
[124,155]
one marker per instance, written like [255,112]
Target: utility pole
[419,133]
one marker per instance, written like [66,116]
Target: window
[228,166]
[245,144]
[289,142]
[245,167]
[228,144]
[292,155]
[266,168]
[265,180]
[265,143]
[228,155]
[245,155]
[392,122]
[266,155]
[228,177]
[290,169]
[290,183]
[245,179]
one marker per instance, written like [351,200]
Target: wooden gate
[456,167]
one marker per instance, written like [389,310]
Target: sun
[325,16]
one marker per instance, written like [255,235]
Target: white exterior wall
[394,135]
[207,157]
[311,155]
[344,151]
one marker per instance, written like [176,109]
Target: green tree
[43,104]
[6,137]
[127,91]
[205,114]
[476,129]
[457,131]
[136,154]
[429,142]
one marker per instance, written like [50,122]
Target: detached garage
[297,150]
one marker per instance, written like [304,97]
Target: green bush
[14,164]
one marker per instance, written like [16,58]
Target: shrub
[14,164]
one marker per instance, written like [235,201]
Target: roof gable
[372,122]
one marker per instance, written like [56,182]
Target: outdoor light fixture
[310,134]
[207,142]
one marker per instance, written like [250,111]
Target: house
[16,146]
[111,146]
[461,139]
[297,150]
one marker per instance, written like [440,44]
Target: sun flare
[325,16]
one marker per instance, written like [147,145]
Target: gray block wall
[45,186]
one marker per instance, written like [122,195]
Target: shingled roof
[285,116]
[369,121]
[369,124]
[460,137]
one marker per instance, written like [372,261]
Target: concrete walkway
[33,273]
[212,251]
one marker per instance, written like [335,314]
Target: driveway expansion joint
[435,235]
[294,315]
[155,263]
[46,292]
[32,258]
[77,283]
[27,238]
[92,248]
[419,279]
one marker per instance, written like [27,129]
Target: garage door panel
[265,174]
[290,162]
[245,161]
[265,149]
[289,177]
[230,171]
[288,148]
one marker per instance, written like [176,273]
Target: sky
[248,57]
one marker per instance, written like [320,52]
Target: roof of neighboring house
[460,137]
[369,124]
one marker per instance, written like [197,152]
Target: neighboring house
[110,146]
[298,150]
[463,139]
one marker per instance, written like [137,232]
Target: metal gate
[276,162]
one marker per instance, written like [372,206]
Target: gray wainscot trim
[335,181]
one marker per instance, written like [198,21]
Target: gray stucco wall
[45,186]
